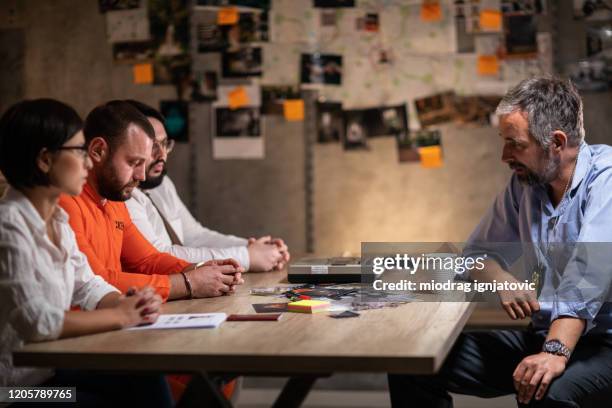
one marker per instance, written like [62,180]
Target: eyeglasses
[166,144]
[81,150]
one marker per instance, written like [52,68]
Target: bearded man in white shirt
[160,215]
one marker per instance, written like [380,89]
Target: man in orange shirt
[120,140]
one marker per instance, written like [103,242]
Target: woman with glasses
[42,272]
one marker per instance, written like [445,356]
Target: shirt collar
[89,191]
[583,164]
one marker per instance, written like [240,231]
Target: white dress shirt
[39,282]
[199,243]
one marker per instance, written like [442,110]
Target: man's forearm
[109,300]
[178,290]
[567,329]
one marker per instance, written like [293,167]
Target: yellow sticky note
[431,11]
[227,16]
[488,65]
[238,98]
[308,306]
[293,109]
[491,20]
[431,156]
[143,73]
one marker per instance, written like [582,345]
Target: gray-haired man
[558,201]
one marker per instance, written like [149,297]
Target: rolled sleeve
[497,230]
[587,277]
[579,310]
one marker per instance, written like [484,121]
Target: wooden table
[413,338]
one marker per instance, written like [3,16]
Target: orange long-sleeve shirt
[116,250]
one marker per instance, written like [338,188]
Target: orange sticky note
[431,11]
[491,20]
[143,73]
[431,156]
[227,16]
[238,98]
[488,65]
[293,109]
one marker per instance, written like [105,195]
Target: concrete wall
[369,196]
[358,196]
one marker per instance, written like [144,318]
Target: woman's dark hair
[27,128]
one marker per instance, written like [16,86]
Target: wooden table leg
[295,392]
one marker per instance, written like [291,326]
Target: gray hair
[551,104]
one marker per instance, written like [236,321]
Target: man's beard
[542,178]
[152,182]
[111,188]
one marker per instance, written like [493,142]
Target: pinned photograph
[133,52]
[209,36]
[435,109]
[204,86]
[177,119]
[476,109]
[379,122]
[321,69]
[238,134]
[370,22]
[170,34]
[333,3]
[394,120]
[273,97]
[330,122]
[260,4]
[252,27]
[427,137]
[127,25]
[244,62]
[520,35]
[108,5]
[238,122]
[406,148]
[355,130]
[524,6]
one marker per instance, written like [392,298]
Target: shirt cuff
[97,288]
[579,310]
[243,257]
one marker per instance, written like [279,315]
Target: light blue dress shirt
[571,245]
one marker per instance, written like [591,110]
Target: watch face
[553,346]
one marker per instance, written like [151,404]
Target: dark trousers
[482,364]
[106,389]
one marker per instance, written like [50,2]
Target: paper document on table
[186,321]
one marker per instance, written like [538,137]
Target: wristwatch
[557,348]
